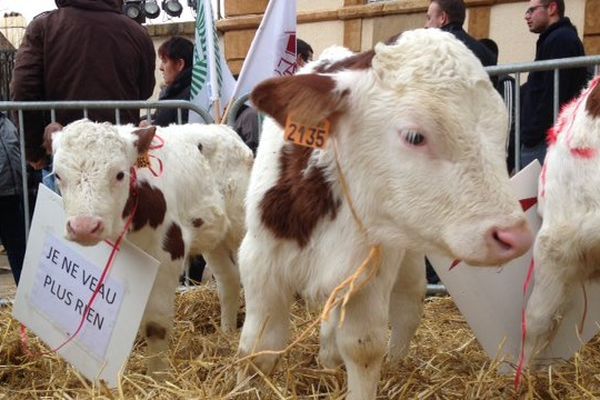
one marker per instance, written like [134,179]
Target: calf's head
[421,134]
[92,165]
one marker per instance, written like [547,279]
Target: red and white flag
[273,49]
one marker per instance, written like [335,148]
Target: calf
[419,132]
[188,201]
[567,247]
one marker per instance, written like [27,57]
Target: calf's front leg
[157,322]
[268,301]
[406,304]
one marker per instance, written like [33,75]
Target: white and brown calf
[196,205]
[420,132]
[567,247]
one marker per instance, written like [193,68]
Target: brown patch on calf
[292,208]
[593,102]
[309,98]
[151,206]
[155,331]
[145,136]
[49,131]
[173,242]
[198,222]
[358,61]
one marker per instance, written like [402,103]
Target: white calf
[567,248]
[194,206]
[419,132]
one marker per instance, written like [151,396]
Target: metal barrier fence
[547,65]
[20,107]
[510,69]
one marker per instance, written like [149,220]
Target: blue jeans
[528,154]
[48,179]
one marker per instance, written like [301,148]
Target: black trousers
[12,232]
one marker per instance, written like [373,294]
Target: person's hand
[37,165]
[144,123]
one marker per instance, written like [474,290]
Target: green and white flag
[212,81]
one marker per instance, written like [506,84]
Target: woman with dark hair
[176,55]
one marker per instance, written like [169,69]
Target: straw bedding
[445,362]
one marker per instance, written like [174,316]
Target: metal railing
[21,106]
[234,109]
[547,65]
[510,69]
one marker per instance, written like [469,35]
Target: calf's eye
[120,176]
[414,138]
[56,176]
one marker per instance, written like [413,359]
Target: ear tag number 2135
[309,136]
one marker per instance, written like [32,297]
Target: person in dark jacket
[84,50]
[12,223]
[449,16]
[558,39]
[176,63]
[505,85]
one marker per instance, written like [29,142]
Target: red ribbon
[521,363]
[160,163]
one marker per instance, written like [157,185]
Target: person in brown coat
[84,50]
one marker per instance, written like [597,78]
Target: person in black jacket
[176,62]
[449,16]
[558,39]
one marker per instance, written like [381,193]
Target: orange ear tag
[309,136]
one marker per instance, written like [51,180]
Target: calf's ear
[309,98]
[50,132]
[144,138]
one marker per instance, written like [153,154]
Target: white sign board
[491,298]
[58,280]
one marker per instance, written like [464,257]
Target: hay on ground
[445,362]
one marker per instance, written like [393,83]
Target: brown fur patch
[292,208]
[198,222]
[309,98]
[155,331]
[145,136]
[151,206]
[173,242]
[593,102]
[359,61]
[48,133]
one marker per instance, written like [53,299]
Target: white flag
[273,49]
[212,82]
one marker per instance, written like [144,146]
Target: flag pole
[226,112]
[218,118]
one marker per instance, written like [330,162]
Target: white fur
[445,197]
[567,247]
[208,184]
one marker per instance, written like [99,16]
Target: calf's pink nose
[84,227]
[508,243]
